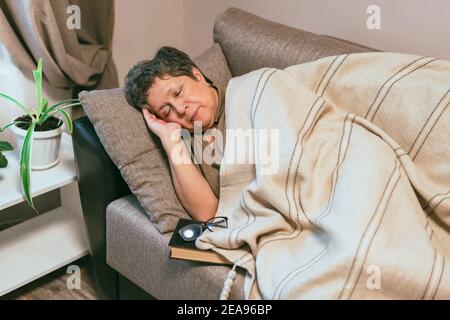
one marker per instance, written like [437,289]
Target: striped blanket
[336,179]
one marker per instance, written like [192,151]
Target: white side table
[52,239]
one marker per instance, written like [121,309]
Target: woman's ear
[198,74]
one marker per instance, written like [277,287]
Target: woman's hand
[168,132]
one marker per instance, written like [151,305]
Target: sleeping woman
[173,94]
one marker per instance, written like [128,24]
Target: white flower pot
[44,148]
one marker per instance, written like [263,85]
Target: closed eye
[178,92]
[168,108]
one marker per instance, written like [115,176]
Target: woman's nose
[181,109]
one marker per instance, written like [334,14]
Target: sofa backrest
[250,42]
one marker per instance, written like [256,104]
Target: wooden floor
[54,285]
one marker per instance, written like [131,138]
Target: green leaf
[68,120]
[25,164]
[40,119]
[65,107]
[5,146]
[44,105]
[38,80]
[54,109]
[17,103]
[3,161]
[11,124]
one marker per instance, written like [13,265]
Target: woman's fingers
[150,119]
[147,115]
[156,125]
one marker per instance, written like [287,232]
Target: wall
[141,27]
[411,26]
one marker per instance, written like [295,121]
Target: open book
[180,249]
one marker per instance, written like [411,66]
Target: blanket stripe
[369,234]
[388,84]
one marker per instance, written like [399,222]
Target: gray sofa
[127,250]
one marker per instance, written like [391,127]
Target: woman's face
[184,100]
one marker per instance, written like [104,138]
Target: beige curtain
[75,57]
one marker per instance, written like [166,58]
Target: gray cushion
[213,64]
[140,253]
[250,42]
[137,152]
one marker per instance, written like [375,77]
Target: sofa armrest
[100,183]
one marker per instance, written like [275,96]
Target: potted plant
[38,132]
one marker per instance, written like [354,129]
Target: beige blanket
[345,188]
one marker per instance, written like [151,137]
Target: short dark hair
[167,61]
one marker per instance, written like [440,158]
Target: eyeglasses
[192,231]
